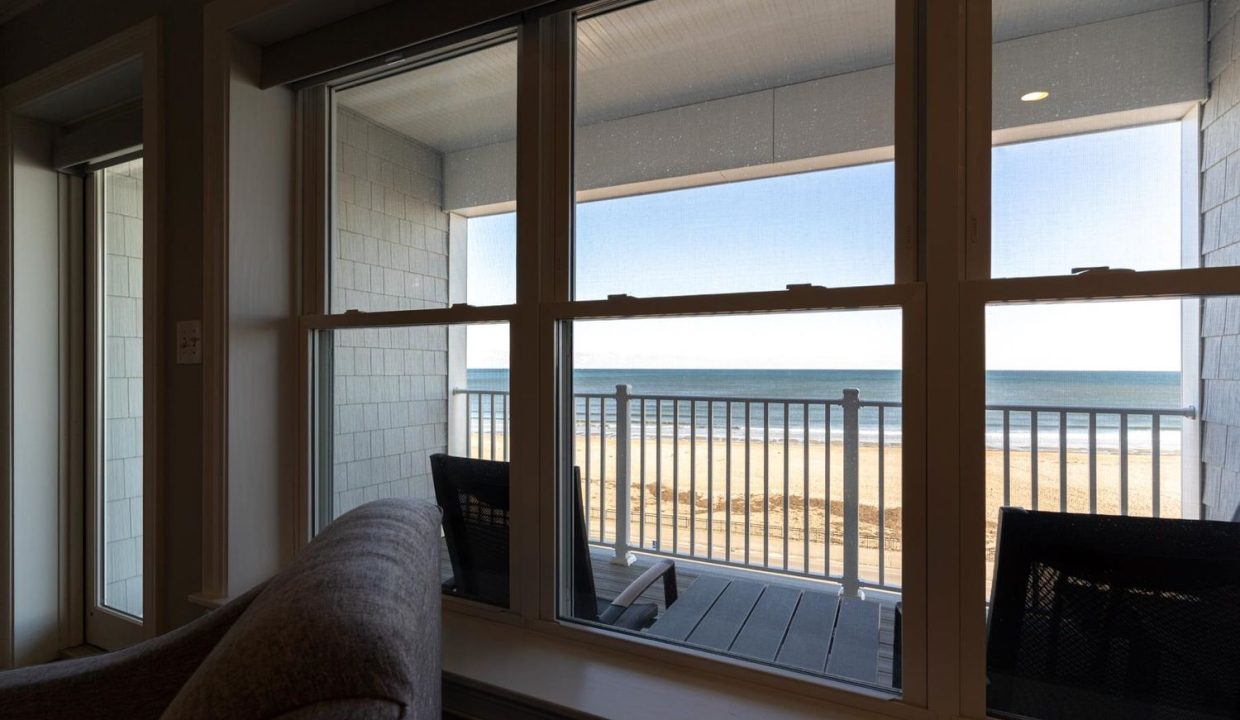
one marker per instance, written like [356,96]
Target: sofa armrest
[134,683]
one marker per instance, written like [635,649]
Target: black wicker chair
[474,497]
[1098,616]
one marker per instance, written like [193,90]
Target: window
[731,482]
[422,228]
[1089,429]
[789,330]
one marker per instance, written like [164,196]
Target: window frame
[978,289]
[543,301]
[317,200]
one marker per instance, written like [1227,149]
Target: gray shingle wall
[390,253]
[122,387]
[1220,245]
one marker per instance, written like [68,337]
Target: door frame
[142,41]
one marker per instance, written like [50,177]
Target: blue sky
[1099,199]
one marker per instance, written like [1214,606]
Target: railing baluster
[787,525]
[1007,458]
[826,480]
[658,475]
[766,484]
[1123,464]
[1155,470]
[602,469]
[1063,461]
[641,511]
[675,476]
[882,506]
[851,578]
[710,480]
[492,418]
[624,483]
[805,487]
[1093,463]
[747,501]
[507,399]
[692,478]
[1033,454]
[585,491]
[479,425]
[727,483]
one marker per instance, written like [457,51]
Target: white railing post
[852,406]
[622,556]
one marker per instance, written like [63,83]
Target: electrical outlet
[189,342]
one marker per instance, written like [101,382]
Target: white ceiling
[669,53]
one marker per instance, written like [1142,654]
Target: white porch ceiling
[670,53]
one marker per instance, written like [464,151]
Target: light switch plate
[189,342]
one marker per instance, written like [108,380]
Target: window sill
[583,678]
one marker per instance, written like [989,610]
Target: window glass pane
[1095,137]
[734,147]
[765,471]
[420,158]
[388,399]
[120,344]
[1108,426]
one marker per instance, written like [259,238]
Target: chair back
[1103,616]
[474,496]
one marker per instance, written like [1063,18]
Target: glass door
[114,418]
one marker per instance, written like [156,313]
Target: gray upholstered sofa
[351,630]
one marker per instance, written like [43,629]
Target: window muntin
[416,155]
[761,455]
[700,162]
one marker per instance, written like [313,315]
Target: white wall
[262,327]
[36,396]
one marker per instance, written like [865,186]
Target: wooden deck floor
[611,579]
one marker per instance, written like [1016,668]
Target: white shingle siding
[389,253]
[1220,322]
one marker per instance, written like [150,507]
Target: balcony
[804,493]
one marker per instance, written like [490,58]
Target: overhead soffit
[670,53]
[115,86]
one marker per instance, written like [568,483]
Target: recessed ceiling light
[1035,96]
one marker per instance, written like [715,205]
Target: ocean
[1061,388]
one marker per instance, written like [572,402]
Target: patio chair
[474,497]
[1100,616]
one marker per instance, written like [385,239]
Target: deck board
[765,631]
[799,651]
[854,648]
[724,619]
[680,620]
[809,634]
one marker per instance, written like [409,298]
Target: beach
[696,474]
